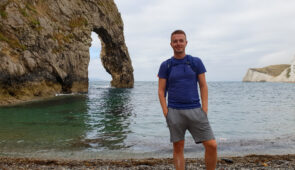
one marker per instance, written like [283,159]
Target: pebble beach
[110,129]
[245,162]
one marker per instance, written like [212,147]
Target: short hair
[178,32]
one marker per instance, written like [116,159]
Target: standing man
[179,76]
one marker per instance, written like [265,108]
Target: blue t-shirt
[183,88]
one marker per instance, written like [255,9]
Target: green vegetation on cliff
[273,70]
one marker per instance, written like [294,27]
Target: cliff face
[273,73]
[44,47]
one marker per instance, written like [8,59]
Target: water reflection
[99,120]
[46,124]
[109,117]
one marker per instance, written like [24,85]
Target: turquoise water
[247,118]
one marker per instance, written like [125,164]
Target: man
[179,76]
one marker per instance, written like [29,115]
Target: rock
[273,73]
[256,76]
[227,160]
[44,47]
[29,61]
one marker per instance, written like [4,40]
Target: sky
[229,36]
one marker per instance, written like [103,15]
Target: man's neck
[179,56]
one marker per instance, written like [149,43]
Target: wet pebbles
[245,162]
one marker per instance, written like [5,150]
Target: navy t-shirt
[183,88]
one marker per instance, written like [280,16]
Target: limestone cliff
[273,73]
[44,47]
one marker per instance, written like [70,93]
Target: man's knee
[211,145]
[178,146]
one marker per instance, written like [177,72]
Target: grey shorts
[194,120]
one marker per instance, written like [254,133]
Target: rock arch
[44,47]
[115,59]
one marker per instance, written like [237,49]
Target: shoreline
[249,161]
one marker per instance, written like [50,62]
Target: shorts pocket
[167,114]
[166,117]
[204,112]
[204,117]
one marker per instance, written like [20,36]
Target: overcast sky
[229,36]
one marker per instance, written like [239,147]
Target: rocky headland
[44,47]
[272,73]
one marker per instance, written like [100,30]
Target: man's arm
[204,91]
[161,94]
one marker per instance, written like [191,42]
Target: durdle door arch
[44,47]
[115,60]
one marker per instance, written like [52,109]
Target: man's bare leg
[210,154]
[178,156]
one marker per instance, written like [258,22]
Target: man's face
[178,43]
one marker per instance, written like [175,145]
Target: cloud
[280,57]
[95,44]
[96,70]
[229,36]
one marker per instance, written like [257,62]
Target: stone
[44,47]
[273,73]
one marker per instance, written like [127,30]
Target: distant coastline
[272,73]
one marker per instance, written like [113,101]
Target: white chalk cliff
[273,73]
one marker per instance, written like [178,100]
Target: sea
[118,123]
